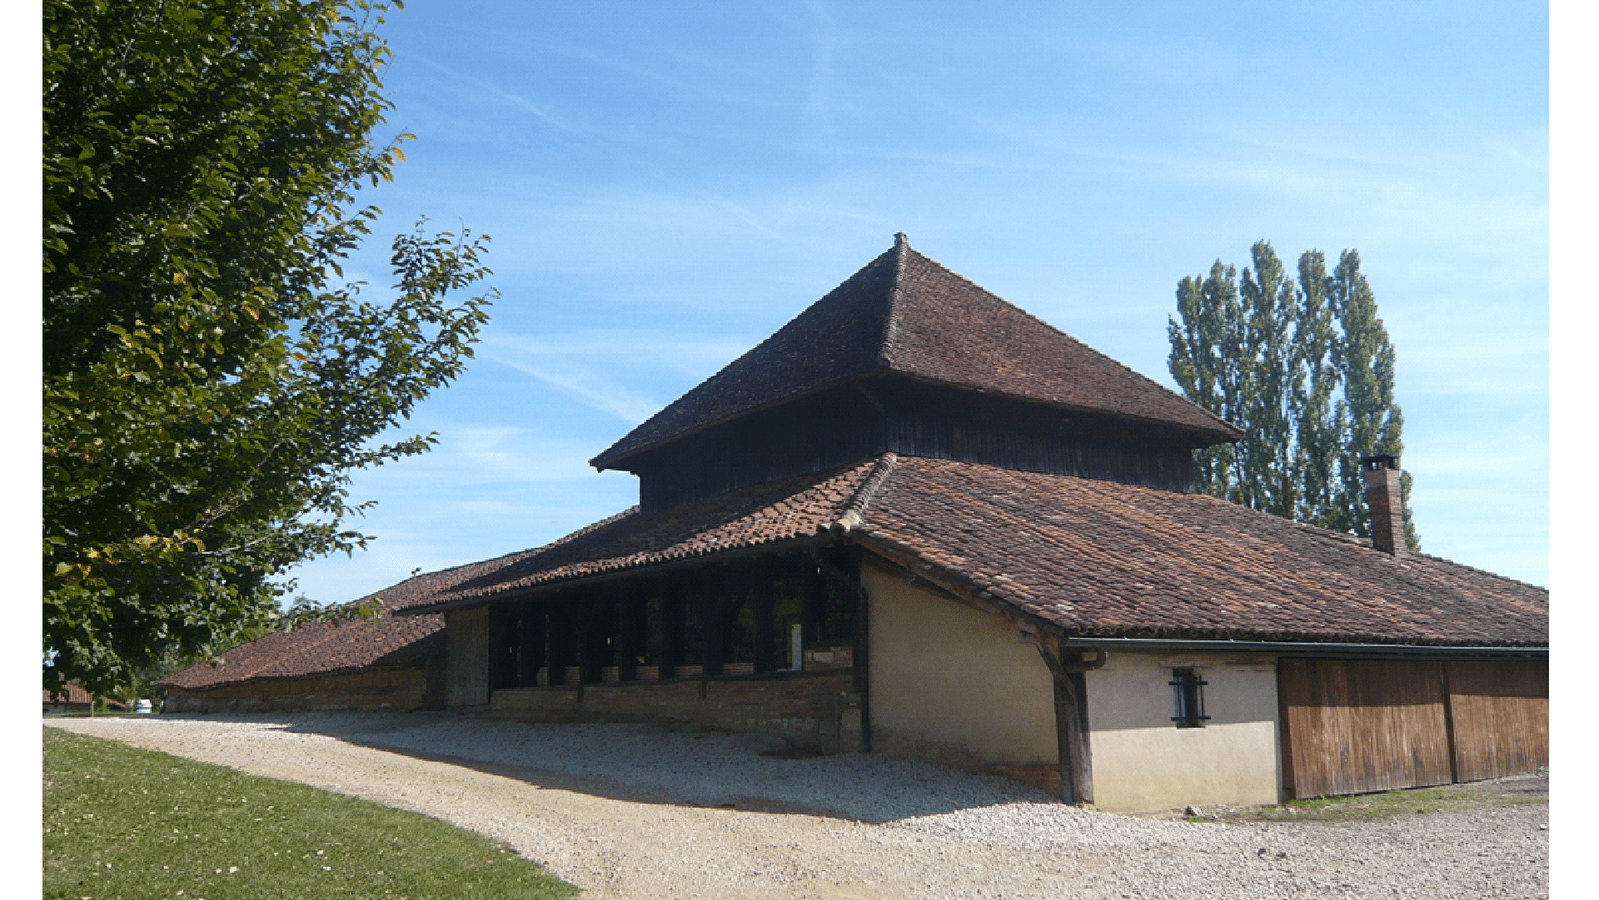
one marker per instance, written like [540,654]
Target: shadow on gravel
[650,764]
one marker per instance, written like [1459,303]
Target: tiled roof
[906,313]
[753,517]
[319,648]
[73,692]
[1093,558]
[1102,559]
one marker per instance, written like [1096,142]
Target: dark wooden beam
[594,650]
[630,624]
[504,625]
[563,641]
[761,602]
[712,599]
[1071,719]
[674,624]
[813,604]
[532,637]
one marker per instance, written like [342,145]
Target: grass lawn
[1387,804]
[125,823]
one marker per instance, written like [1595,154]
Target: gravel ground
[626,811]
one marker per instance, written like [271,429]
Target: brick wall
[812,711]
[369,689]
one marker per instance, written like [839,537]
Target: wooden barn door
[1501,717]
[1355,726]
[466,668]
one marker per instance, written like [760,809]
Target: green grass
[125,823]
[1388,804]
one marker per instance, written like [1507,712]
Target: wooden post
[813,604]
[592,642]
[674,622]
[713,604]
[503,645]
[531,653]
[1071,720]
[843,568]
[629,630]
[563,640]
[761,602]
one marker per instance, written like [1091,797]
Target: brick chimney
[1382,496]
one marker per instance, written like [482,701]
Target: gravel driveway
[626,811]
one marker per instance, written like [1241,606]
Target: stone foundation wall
[812,711]
[373,689]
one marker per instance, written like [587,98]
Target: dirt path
[620,847]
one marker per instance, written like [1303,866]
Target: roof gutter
[1307,649]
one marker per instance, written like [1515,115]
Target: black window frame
[1188,698]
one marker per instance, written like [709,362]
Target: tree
[1306,370]
[209,379]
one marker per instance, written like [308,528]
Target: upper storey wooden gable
[909,357]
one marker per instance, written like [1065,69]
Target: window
[1188,694]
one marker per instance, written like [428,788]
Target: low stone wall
[370,689]
[812,711]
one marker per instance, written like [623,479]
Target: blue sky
[667,184]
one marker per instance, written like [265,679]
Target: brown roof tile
[319,648]
[907,314]
[1093,558]
[1102,559]
[72,692]
[755,516]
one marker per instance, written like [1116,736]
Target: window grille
[1188,696]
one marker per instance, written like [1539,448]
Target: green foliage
[130,823]
[209,380]
[1307,370]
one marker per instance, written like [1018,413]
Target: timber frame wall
[846,424]
[713,630]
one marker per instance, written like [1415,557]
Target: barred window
[1188,694]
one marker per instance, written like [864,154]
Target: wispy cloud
[827,42]
[492,89]
[599,368]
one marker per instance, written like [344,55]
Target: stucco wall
[951,684]
[1142,762]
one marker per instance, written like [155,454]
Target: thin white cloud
[490,88]
[827,41]
[600,368]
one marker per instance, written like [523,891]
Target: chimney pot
[1383,498]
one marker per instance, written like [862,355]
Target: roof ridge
[896,292]
[854,513]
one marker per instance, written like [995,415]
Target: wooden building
[918,521]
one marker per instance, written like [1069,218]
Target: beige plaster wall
[1142,762]
[951,684]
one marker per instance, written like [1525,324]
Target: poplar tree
[1305,367]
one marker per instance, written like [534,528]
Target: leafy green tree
[1306,369]
[209,379]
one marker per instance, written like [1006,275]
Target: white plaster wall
[1142,762]
[952,684]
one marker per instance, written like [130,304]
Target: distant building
[73,698]
[919,521]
